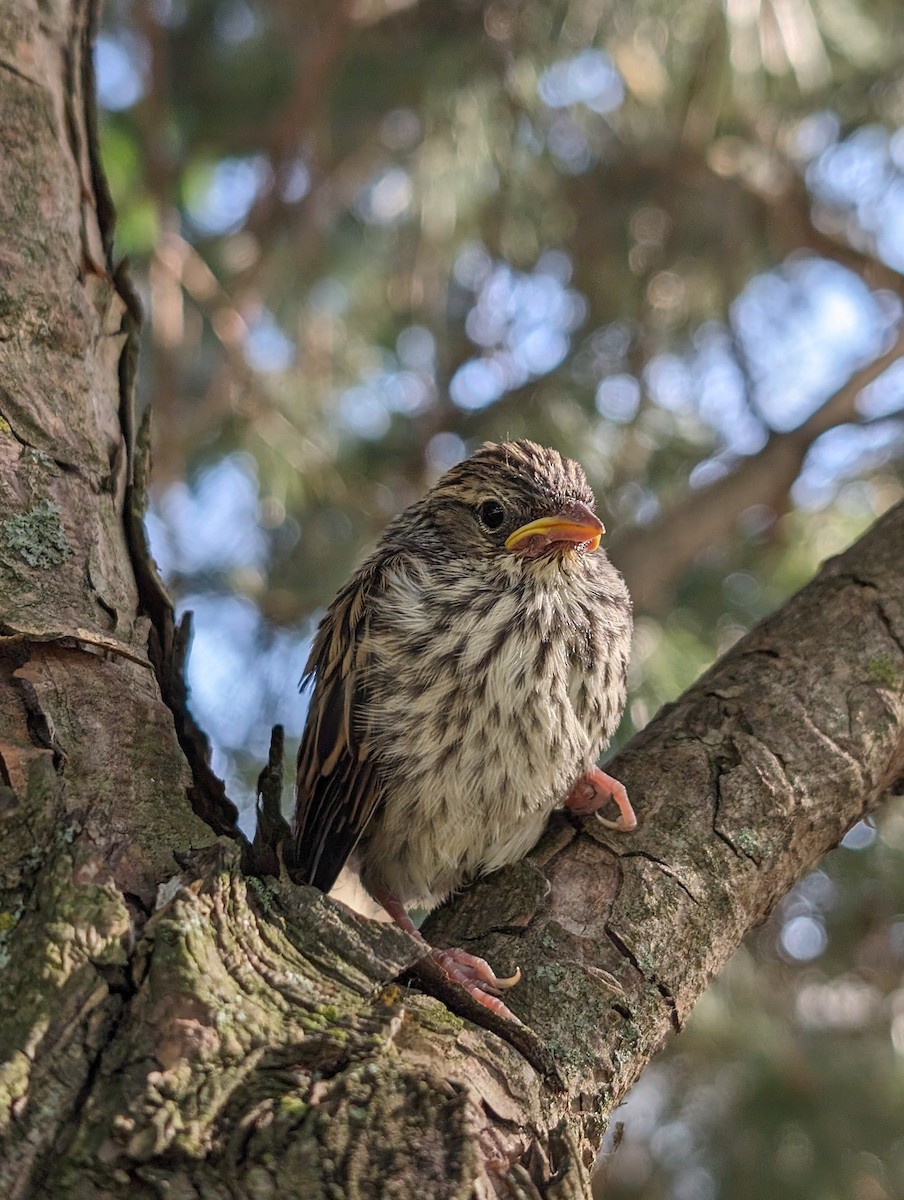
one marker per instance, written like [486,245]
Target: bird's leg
[474,974]
[592,790]
[397,911]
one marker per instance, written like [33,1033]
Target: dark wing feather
[338,789]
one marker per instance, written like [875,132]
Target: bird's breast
[483,707]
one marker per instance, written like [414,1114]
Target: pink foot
[467,970]
[476,975]
[593,790]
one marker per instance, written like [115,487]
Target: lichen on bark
[37,535]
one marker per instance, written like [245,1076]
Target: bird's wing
[338,787]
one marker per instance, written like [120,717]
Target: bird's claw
[618,825]
[594,789]
[510,981]
[474,974]
[478,978]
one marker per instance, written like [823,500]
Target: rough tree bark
[186,1031]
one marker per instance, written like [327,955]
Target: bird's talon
[510,982]
[594,789]
[478,979]
[618,825]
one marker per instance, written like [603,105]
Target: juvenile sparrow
[465,680]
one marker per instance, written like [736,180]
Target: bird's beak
[576,525]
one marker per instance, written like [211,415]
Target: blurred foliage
[667,237]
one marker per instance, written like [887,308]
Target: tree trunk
[189,1032]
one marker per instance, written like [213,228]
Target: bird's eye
[491,514]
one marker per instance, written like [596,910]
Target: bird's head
[513,500]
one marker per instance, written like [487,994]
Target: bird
[464,682]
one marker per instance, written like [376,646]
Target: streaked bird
[465,681]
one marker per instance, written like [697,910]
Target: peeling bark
[185,1031]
